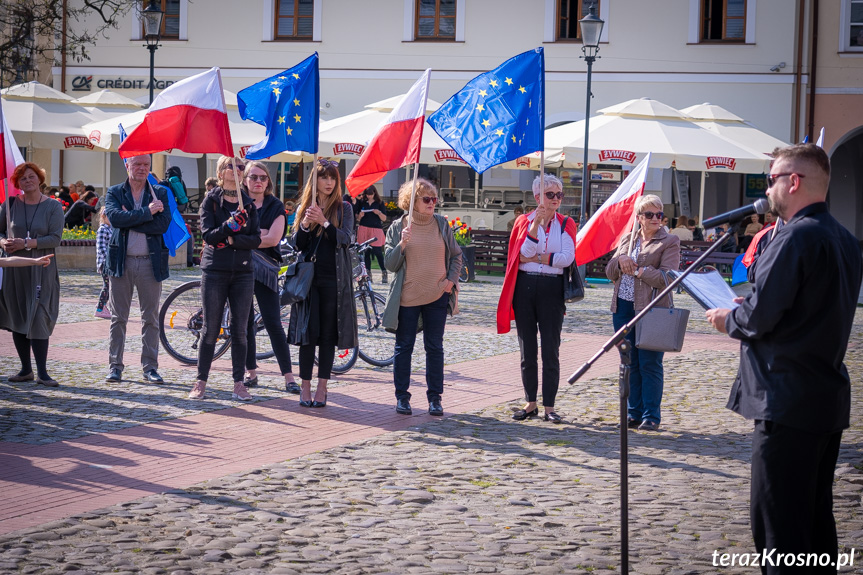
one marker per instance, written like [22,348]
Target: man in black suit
[793,330]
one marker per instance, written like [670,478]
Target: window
[170,19]
[569,12]
[294,19]
[723,20]
[855,25]
[435,20]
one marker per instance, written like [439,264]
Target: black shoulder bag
[299,278]
[573,286]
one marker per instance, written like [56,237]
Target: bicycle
[463,275]
[376,345]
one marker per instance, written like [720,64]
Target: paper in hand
[708,289]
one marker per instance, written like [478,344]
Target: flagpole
[314,176]
[413,194]
[237,182]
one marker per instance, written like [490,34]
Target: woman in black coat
[77,214]
[327,318]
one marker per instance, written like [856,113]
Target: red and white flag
[396,143]
[606,226]
[10,156]
[190,116]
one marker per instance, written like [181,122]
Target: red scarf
[505,314]
[753,245]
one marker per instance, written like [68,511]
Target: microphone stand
[623,345]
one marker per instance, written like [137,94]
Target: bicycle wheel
[263,345]
[376,345]
[344,360]
[181,324]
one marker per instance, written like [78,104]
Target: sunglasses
[651,215]
[240,167]
[429,199]
[257,178]
[326,163]
[553,195]
[771,179]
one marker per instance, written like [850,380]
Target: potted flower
[463,238]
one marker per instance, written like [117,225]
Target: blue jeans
[645,378]
[434,321]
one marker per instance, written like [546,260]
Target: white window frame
[845,29]
[138,29]
[550,31]
[268,33]
[410,14]
[695,24]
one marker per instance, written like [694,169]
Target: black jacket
[218,254]
[77,214]
[794,326]
[347,312]
[121,212]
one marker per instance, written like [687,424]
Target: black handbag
[573,285]
[662,328]
[299,278]
[266,270]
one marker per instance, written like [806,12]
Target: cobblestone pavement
[474,492]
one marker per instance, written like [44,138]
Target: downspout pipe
[798,70]
[62,82]
[813,70]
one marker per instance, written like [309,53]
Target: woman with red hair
[30,296]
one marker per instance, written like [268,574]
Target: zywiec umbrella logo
[96,136]
[78,142]
[346,148]
[624,156]
[243,151]
[447,156]
[720,162]
[522,161]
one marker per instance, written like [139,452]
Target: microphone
[759,207]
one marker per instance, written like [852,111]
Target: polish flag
[396,143]
[10,157]
[603,230]
[190,116]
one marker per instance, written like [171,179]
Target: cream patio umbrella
[41,117]
[720,121]
[625,133]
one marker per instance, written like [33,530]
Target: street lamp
[152,18]
[591,29]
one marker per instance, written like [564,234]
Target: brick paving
[133,478]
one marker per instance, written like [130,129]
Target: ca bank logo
[81,83]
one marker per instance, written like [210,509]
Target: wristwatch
[25,245]
[326,224]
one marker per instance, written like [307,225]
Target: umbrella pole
[701,198]
[413,195]
[476,190]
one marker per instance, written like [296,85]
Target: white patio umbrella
[41,117]
[626,132]
[720,121]
[108,99]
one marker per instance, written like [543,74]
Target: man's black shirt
[794,326]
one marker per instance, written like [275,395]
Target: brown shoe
[19,378]
[47,382]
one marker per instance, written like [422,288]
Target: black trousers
[271,314]
[323,330]
[538,304]
[791,500]
[217,289]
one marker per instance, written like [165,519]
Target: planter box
[83,257]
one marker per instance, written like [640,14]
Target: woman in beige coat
[637,269]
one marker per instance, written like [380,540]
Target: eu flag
[498,116]
[287,105]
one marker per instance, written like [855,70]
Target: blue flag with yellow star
[287,105]
[498,116]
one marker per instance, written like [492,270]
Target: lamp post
[152,18]
[591,29]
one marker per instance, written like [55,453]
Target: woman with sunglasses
[230,233]
[637,268]
[257,182]
[327,318]
[426,260]
[371,211]
[541,246]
